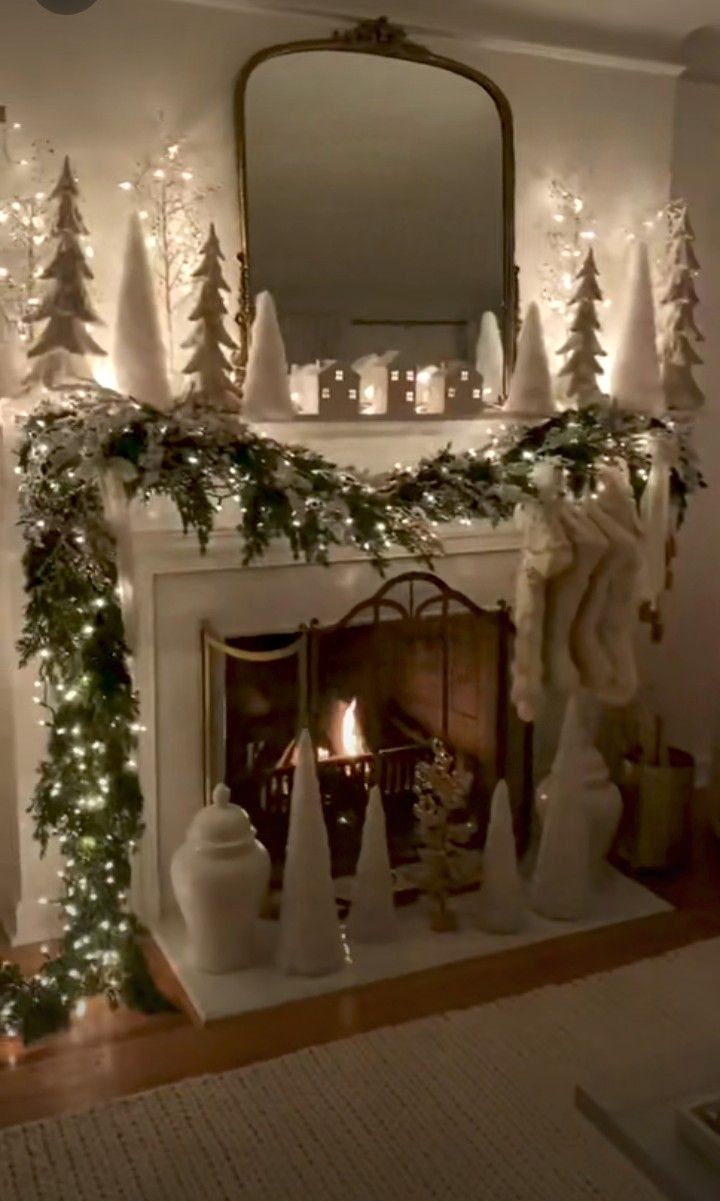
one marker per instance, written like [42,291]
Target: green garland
[88,795]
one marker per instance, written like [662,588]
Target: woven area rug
[475,1105]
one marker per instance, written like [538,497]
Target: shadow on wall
[701,54]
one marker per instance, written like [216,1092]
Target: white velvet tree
[372,916]
[266,390]
[12,359]
[501,895]
[560,887]
[531,386]
[679,300]
[310,939]
[490,357]
[63,347]
[139,356]
[636,384]
[582,347]
[208,366]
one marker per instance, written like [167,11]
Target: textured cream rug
[471,1106]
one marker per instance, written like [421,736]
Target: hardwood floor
[112,1054]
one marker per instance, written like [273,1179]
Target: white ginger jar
[220,876]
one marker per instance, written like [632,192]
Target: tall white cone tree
[636,385]
[490,357]
[501,895]
[208,366]
[531,386]
[12,359]
[310,938]
[266,390]
[679,300]
[582,347]
[62,348]
[560,887]
[139,355]
[372,917]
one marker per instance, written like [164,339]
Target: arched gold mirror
[377,201]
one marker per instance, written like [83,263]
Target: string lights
[25,172]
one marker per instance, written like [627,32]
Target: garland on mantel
[88,795]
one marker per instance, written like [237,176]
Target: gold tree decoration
[25,171]
[171,204]
[445,827]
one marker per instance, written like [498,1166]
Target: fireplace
[417,660]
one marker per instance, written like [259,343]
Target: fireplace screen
[414,662]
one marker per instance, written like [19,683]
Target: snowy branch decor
[88,795]
[636,383]
[12,359]
[24,221]
[63,346]
[310,939]
[138,353]
[582,348]
[372,916]
[208,365]
[266,389]
[531,385]
[680,331]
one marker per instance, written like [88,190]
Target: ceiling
[648,29]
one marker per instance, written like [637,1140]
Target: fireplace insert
[414,662]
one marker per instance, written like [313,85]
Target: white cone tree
[531,386]
[12,359]
[266,390]
[139,356]
[560,887]
[582,347]
[310,938]
[372,916]
[490,357]
[636,385]
[501,895]
[209,368]
[62,348]
[679,300]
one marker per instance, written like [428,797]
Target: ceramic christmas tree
[310,938]
[501,896]
[372,917]
[679,300]
[266,390]
[531,388]
[560,887]
[138,351]
[490,357]
[12,365]
[582,347]
[62,348]
[636,384]
[208,366]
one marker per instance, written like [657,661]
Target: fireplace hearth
[418,660]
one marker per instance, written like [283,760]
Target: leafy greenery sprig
[88,794]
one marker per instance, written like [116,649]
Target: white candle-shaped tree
[138,353]
[636,384]
[531,386]
[372,917]
[266,390]
[501,896]
[490,357]
[12,359]
[310,938]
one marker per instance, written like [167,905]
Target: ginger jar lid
[221,828]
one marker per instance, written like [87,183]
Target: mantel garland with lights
[88,795]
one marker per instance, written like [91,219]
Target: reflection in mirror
[375,219]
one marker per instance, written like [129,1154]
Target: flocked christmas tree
[679,299]
[211,385]
[582,348]
[62,348]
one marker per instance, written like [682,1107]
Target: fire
[351,739]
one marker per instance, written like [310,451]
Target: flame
[352,741]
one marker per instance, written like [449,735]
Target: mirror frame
[381,37]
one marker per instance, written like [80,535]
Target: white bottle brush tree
[62,348]
[582,365]
[680,330]
[209,368]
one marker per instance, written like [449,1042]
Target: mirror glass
[374,206]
